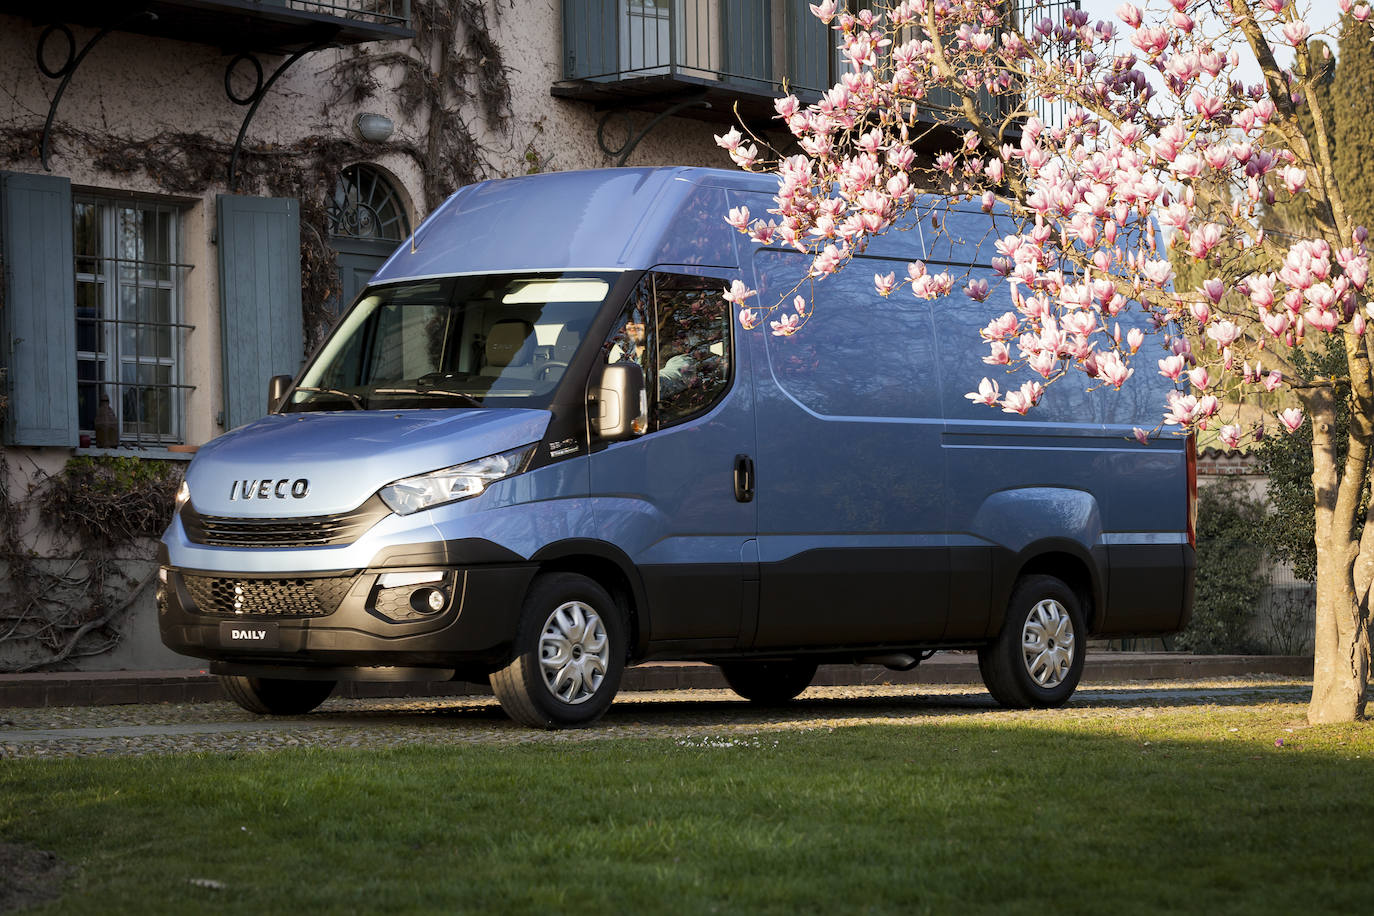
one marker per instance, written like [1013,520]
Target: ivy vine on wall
[103,514]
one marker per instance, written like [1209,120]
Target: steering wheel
[543,373]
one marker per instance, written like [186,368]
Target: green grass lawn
[1179,810]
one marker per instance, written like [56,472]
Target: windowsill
[162,454]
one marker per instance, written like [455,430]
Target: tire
[569,654]
[276,697]
[770,683]
[1037,659]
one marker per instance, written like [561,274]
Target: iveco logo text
[249,634]
[267,489]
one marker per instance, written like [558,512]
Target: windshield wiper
[352,398]
[427,389]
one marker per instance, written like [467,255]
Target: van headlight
[183,495]
[462,481]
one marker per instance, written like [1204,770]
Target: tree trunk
[1340,666]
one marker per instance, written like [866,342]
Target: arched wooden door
[367,220]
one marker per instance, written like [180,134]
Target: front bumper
[342,619]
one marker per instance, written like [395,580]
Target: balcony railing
[382,12]
[281,26]
[740,50]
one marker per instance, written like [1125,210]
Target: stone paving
[135,730]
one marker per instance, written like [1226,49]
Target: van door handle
[744,478]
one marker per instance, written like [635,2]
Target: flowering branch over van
[1161,143]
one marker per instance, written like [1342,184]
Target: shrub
[1229,553]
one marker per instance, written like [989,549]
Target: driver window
[677,329]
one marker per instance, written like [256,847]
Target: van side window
[676,328]
[859,354]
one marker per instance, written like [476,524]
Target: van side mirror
[618,403]
[277,386]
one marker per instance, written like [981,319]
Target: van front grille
[226,596]
[301,531]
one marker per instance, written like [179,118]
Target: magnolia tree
[1158,136]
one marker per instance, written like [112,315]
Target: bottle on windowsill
[106,425]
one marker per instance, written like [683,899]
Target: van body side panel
[850,475]
[667,499]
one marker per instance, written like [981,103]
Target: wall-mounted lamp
[374,128]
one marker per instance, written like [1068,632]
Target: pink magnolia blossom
[1172,367]
[1215,289]
[737,293]
[1295,32]
[1023,399]
[884,283]
[1291,419]
[785,326]
[998,354]
[1230,435]
[987,393]
[1113,370]
[739,218]
[1294,178]
[749,319]
[1224,333]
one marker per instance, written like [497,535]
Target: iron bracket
[68,68]
[254,99]
[622,152]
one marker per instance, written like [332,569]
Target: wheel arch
[1066,560]
[613,570]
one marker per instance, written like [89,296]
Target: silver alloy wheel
[574,652]
[1047,643]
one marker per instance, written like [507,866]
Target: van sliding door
[851,479]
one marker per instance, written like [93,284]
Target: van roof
[607,219]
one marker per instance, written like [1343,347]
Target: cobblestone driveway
[224,728]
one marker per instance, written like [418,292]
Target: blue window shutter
[260,299]
[38,311]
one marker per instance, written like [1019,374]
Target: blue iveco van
[538,448]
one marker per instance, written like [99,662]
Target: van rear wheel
[1037,659]
[268,696]
[569,654]
[769,683]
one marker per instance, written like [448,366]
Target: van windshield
[473,341]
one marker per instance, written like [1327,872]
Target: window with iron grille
[129,324]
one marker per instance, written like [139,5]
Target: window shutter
[260,299]
[38,311]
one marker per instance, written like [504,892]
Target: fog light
[428,600]
[406,597]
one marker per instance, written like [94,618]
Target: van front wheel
[569,654]
[769,683]
[268,696]
[1037,659]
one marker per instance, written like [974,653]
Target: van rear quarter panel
[1075,449]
